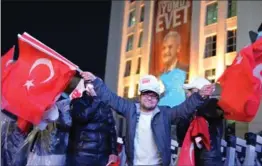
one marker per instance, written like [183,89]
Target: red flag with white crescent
[36,80]
[198,127]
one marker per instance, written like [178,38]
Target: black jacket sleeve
[113,136]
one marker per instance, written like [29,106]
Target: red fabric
[30,102]
[6,67]
[241,84]
[6,62]
[23,125]
[198,127]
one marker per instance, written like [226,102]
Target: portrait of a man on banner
[171,48]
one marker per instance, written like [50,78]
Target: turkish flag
[198,128]
[36,81]
[241,84]
[33,41]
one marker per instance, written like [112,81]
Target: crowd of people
[92,138]
[85,132]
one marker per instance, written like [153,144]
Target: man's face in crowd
[148,100]
[170,49]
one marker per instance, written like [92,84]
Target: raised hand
[88,76]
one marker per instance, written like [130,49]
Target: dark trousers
[87,159]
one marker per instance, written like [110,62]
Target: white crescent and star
[40,61]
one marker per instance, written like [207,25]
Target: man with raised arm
[148,135]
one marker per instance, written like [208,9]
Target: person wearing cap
[93,133]
[214,116]
[148,138]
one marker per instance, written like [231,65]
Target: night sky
[77,30]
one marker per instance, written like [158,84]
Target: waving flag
[198,127]
[241,84]
[37,79]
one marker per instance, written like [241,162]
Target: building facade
[218,30]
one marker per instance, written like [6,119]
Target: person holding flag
[206,129]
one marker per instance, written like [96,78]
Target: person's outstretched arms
[119,104]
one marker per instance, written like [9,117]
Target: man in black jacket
[93,136]
[214,116]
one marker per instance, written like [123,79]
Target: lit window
[132,18]
[210,75]
[211,13]
[128,68]
[140,42]
[129,45]
[138,65]
[231,40]
[142,13]
[210,47]
[126,90]
[231,8]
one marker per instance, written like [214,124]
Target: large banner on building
[171,46]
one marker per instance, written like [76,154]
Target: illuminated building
[218,30]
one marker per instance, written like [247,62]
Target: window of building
[231,40]
[132,18]
[128,68]
[129,44]
[138,65]
[140,42]
[142,13]
[136,90]
[211,75]
[231,8]
[211,46]
[126,90]
[211,13]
